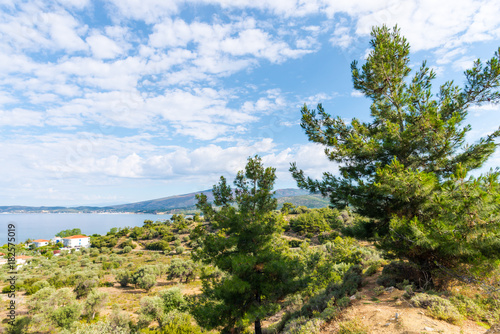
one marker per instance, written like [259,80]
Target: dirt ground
[389,313]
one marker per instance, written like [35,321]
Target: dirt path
[390,313]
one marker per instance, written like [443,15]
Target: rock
[387,324]
[353,297]
[429,329]
[389,289]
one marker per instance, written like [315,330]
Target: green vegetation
[69,233]
[406,170]
[406,216]
[245,244]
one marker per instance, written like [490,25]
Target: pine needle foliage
[407,168]
[246,245]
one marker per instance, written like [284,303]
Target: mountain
[185,202]
[188,201]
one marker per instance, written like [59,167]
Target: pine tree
[245,244]
[410,161]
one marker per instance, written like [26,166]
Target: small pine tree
[246,245]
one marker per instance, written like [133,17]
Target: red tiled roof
[23,257]
[40,240]
[76,237]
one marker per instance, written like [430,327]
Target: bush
[94,303]
[127,249]
[352,327]
[437,307]
[467,307]
[127,243]
[85,282]
[173,300]
[146,282]
[36,287]
[397,272]
[325,237]
[303,325]
[310,222]
[123,277]
[65,316]
[158,245]
[295,243]
[181,269]
[20,325]
[179,250]
[330,313]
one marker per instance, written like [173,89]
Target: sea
[46,225]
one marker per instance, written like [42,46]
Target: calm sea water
[46,225]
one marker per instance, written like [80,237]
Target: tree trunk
[258,329]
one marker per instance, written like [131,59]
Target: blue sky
[117,101]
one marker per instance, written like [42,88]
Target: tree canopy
[245,244]
[400,168]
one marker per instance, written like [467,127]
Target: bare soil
[390,313]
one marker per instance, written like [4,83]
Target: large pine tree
[406,168]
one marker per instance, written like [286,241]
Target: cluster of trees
[69,233]
[407,171]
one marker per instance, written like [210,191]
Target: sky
[119,101]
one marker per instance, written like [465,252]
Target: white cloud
[150,11]
[20,117]
[103,47]
[463,63]
[357,93]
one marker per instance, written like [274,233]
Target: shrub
[36,287]
[397,272]
[94,302]
[352,327]
[127,243]
[310,222]
[177,243]
[179,250]
[122,277]
[330,313]
[19,326]
[181,269]
[303,325]
[300,209]
[127,249]
[437,307]
[467,307]
[180,323]
[65,316]
[158,245]
[173,300]
[85,282]
[295,243]
[146,282]
[328,236]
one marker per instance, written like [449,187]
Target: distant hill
[311,201]
[185,202]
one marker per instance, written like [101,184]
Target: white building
[40,242]
[76,241]
[55,240]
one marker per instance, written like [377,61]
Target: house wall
[72,243]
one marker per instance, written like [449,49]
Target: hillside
[185,201]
